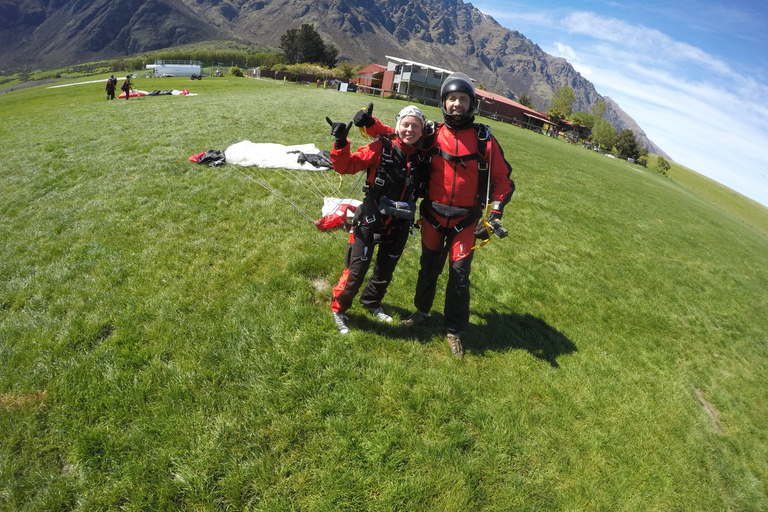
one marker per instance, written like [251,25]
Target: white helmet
[410,110]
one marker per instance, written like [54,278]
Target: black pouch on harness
[448,212]
[399,209]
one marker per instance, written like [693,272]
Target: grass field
[166,341]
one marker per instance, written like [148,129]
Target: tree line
[603,134]
[298,46]
[304,51]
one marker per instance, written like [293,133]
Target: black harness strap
[483,171]
[483,147]
[461,159]
[397,182]
[392,170]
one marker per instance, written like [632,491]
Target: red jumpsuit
[110,87]
[452,202]
[401,179]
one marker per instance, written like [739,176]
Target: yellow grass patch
[15,401]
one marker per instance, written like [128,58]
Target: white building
[414,78]
[176,68]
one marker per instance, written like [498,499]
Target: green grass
[732,203]
[166,341]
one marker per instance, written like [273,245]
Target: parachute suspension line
[357,184]
[316,184]
[263,183]
[338,186]
[320,187]
[484,219]
[324,183]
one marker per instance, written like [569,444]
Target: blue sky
[692,73]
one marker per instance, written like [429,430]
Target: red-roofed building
[406,77]
[504,109]
[370,76]
[575,130]
[422,82]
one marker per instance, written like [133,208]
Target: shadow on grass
[502,331]
[396,330]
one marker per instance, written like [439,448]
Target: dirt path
[29,83]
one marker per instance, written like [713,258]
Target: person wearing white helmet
[397,175]
[468,169]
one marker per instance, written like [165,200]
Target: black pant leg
[431,266]
[389,252]
[457,295]
[358,260]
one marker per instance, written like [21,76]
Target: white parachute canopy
[273,166]
[265,154]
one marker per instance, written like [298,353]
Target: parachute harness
[488,204]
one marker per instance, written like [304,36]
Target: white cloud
[704,125]
[568,53]
[541,18]
[516,18]
[695,106]
[649,41]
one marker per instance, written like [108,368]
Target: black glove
[481,233]
[494,219]
[340,131]
[363,118]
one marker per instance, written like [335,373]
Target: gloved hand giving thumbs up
[363,118]
[340,131]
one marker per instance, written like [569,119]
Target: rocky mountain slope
[617,117]
[444,33]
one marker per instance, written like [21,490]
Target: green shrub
[663,165]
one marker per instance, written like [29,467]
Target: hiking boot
[417,317]
[455,343]
[380,315]
[342,322]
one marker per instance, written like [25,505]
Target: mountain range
[445,33]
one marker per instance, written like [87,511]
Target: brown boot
[455,343]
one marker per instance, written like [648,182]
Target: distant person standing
[111,86]
[126,87]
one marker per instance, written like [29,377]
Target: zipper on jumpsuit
[407,174]
[455,167]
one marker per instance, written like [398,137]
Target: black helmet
[458,82]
